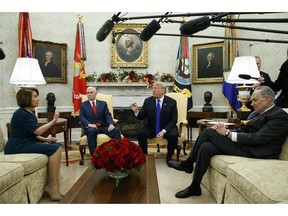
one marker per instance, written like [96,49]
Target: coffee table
[96,186]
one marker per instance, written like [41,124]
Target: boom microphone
[247,76]
[194,26]
[105,30]
[107,27]
[150,30]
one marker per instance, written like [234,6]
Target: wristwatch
[227,133]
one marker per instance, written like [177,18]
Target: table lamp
[27,72]
[244,65]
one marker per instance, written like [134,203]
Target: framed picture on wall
[52,58]
[127,49]
[208,61]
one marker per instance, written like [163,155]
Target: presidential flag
[229,91]
[182,81]
[79,76]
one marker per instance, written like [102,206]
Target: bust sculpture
[207,97]
[51,102]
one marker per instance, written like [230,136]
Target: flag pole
[79,75]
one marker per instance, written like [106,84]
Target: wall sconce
[27,72]
[244,65]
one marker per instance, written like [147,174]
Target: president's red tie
[94,107]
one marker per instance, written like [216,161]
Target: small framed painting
[52,58]
[208,61]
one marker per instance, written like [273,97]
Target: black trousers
[172,137]
[208,144]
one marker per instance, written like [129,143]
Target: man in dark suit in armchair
[167,120]
[95,118]
[261,136]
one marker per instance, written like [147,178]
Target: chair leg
[158,147]
[184,146]
[178,152]
[82,150]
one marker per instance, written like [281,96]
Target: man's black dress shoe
[188,192]
[178,166]
[168,159]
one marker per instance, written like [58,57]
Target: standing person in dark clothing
[282,84]
[264,78]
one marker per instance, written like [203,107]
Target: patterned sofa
[23,177]
[232,179]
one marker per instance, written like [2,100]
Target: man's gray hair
[266,91]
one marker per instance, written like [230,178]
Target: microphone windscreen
[195,25]
[2,54]
[150,30]
[105,30]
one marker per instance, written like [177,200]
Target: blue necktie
[158,110]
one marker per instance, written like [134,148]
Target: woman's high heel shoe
[52,197]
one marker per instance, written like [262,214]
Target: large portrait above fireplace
[127,49]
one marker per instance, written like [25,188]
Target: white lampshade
[243,65]
[27,72]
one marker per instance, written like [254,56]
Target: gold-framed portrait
[129,50]
[52,58]
[208,62]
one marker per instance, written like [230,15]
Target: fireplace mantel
[126,93]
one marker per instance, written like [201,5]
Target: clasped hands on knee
[110,128]
[220,127]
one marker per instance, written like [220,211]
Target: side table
[231,123]
[66,115]
[193,116]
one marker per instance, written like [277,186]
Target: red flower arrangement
[107,77]
[116,155]
[128,76]
[166,77]
[149,79]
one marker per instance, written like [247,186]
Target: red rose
[119,162]
[116,154]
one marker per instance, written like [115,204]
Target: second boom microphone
[150,30]
[194,26]
[105,30]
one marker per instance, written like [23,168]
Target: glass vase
[118,175]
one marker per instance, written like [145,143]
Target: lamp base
[244,108]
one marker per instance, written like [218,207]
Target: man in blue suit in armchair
[95,118]
[162,125]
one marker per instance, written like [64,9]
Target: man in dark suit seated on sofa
[164,126]
[261,136]
[95,118]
